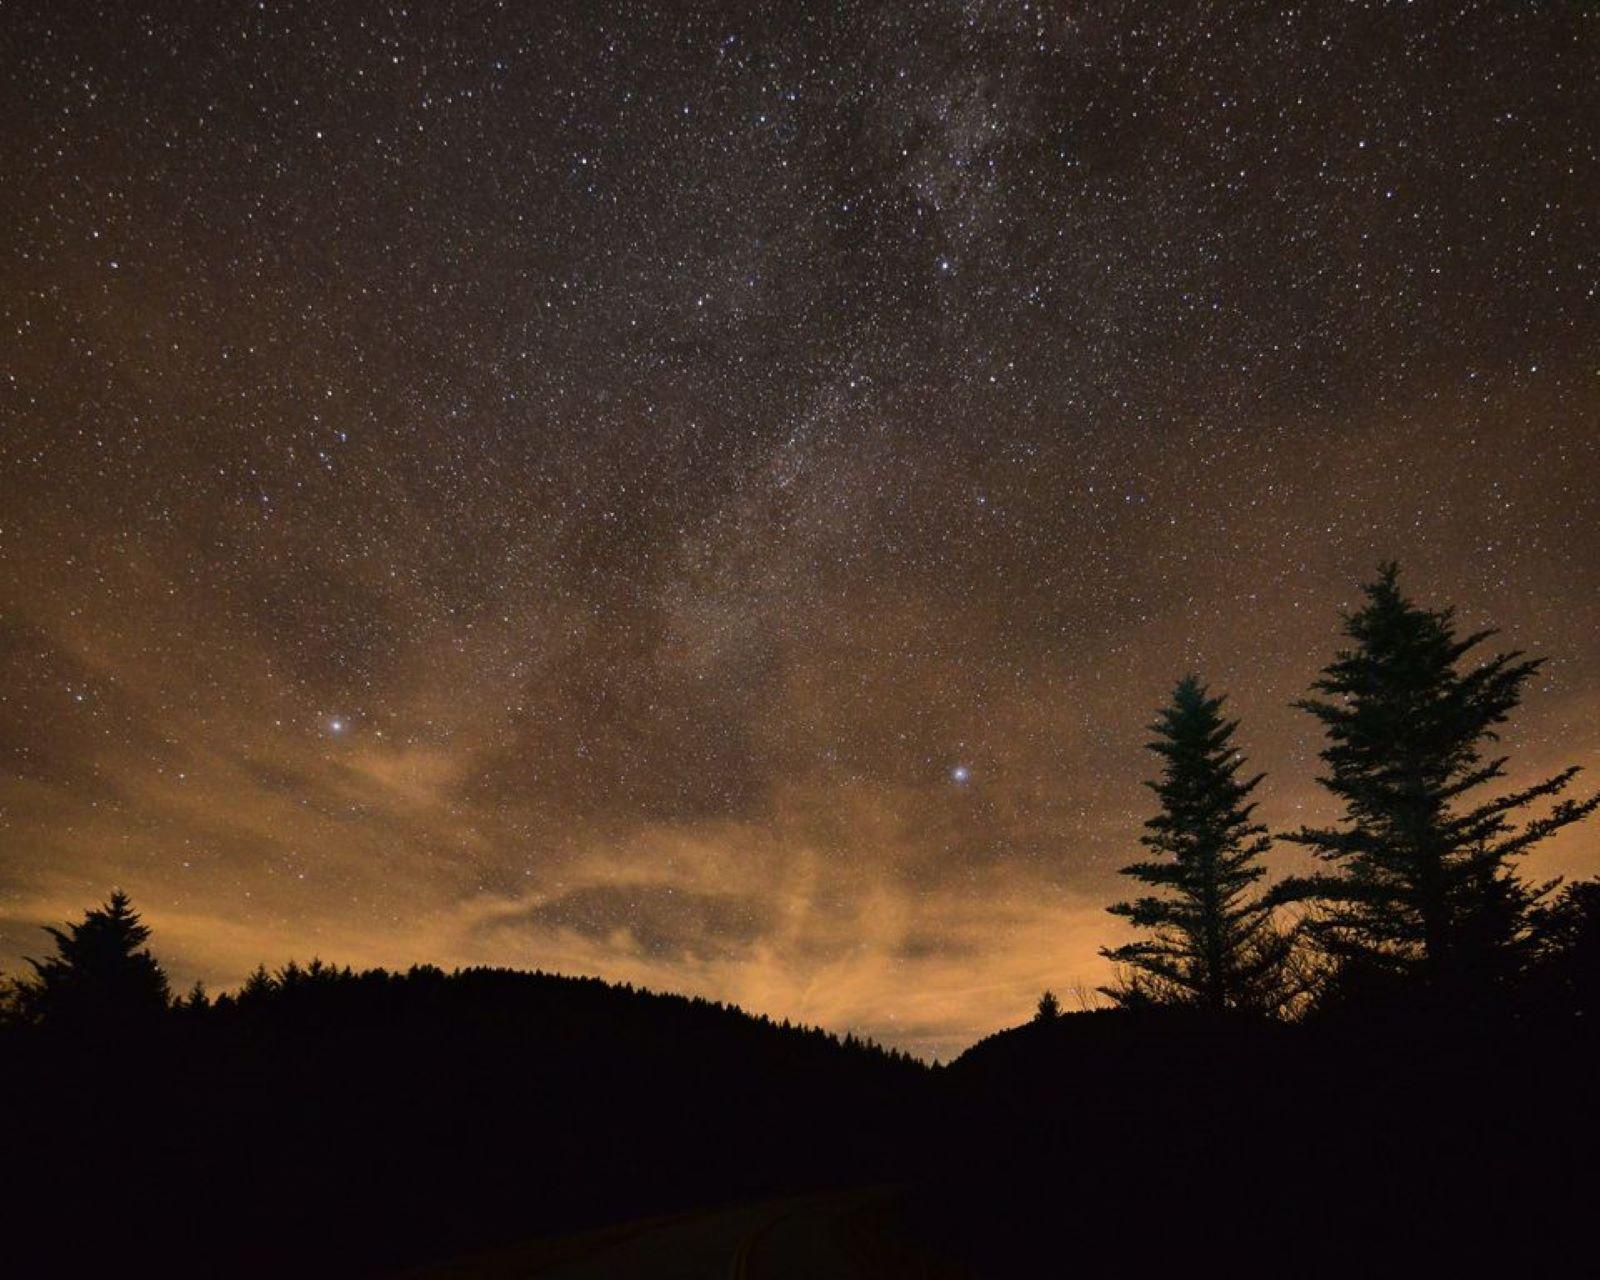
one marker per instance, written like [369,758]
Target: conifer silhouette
[198,1000]
[1423,883]
[101,974]
[1214,944]
[1566,933]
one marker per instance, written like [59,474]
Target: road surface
[847,1235]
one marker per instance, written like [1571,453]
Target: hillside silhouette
[344,1123]
[322,1121]
[1387,1065]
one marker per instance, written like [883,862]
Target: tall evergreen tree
[1423,883]
[1213,941]
[102,973]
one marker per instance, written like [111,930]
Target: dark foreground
[859,1234]
[520,1125]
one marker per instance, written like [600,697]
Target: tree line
[104,978]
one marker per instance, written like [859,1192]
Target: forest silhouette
[1386,1063]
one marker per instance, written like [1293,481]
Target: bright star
[960,773]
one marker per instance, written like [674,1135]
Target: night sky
[711,496]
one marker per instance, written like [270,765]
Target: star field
[711,495]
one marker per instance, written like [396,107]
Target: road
[847,1235]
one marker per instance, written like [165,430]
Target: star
[677,451]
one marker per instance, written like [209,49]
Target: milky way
[711,496]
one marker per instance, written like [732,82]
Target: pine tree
[102,974]
[197,1001]
[14,1010]
[1214,944]
[1049,1008]
[259,990]
[1424,885]
[1566,935]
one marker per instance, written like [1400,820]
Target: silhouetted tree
[258,988]
[1424,885]
[197,1001]
[101,974]
[13,1001]
[1215,944]
[1566,936]
[1049,1008]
